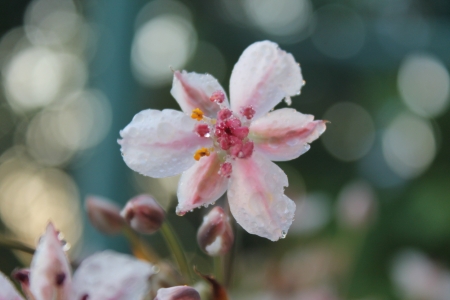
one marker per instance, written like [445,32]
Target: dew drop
[156,269]
[181,213]
[288,100]
[65,245]
[283,234]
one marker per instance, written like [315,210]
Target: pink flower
[236,152]
[105,275]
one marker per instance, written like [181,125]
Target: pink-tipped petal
[111,275]
[285,134]
[161,143]
[7,289]
[262,77]
[201,185]
[50,273]
[192,90]
[256,197]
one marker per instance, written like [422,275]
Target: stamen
[217,96]
[248,112]
[225,170]
[224,114]
[200,153]
[202,130]
[197,114]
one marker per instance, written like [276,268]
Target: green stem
[139,246]
[174,246]
[15,245]
[218,268]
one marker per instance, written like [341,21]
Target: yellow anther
[197,114]
[201,152]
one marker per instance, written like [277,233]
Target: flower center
[228,131]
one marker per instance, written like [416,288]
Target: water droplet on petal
[288,100]
[283,234]
[181,213]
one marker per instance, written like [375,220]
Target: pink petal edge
[285,134]
[201,184]
[262,77]
[193,90]
[256,197]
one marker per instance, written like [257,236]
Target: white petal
[262,77]
[50,273]
[256,197]
[160,143]
[192,90]
[178,293]
[111,275]
[7,289]
[285,134]
[201,184]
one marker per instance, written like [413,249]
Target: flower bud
[104,215]
[143,214]
[215,235]
[177,293]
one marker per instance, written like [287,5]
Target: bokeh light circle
[279,18]
[424,84]
[409,145]
[37,76]
[51,22]
[351,133]
[31,196]
[165,41]
[78,122]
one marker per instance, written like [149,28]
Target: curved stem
[219,268]
[15,245]
[140,248]
[174,246]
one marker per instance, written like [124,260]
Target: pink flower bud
[104,215]
[215,235]
[177,293]
[143,214]
[50,272]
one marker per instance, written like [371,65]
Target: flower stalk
[174,245]
[15,245]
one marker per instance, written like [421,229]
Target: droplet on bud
[177,293]
[215,235]
[104,215]
[143,214]
[283,234]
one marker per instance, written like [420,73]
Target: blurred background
[372,194]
